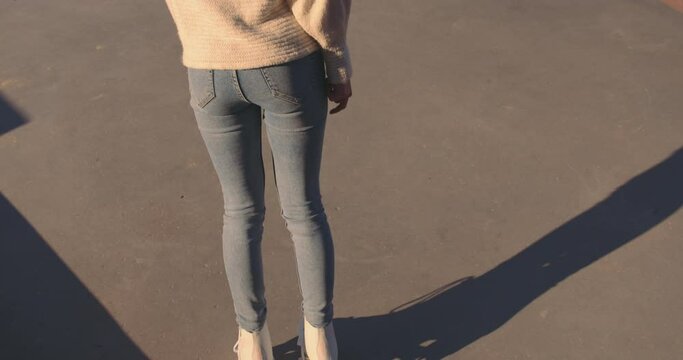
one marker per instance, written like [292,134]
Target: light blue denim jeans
[291,99]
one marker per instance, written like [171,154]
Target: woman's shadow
[442,322]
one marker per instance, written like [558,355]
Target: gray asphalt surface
[505,184]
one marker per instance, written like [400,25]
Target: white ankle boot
[317,343]
[254,346]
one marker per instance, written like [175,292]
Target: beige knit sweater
[243,34]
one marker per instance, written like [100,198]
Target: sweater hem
[245,64]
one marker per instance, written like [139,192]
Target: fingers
[340,107]
[339,93]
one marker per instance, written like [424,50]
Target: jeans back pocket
[292,81]
[202,88]
[275,80]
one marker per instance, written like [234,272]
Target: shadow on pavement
[46,312]
[9,117]
[441,323]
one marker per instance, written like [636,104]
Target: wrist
[338,65]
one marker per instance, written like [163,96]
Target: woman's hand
[340,94]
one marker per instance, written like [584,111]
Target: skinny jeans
[230,107]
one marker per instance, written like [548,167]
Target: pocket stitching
[210,89]
[276,92]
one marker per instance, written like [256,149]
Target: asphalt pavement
[505,183]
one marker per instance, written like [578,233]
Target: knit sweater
[244,34]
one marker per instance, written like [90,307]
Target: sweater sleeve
[326,21]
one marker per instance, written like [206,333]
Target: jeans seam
[236,84]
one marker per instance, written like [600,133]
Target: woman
[278,61]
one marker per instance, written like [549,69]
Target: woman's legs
[235,148]
[294,99]
[228,107]
[231,129]
[296,140]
